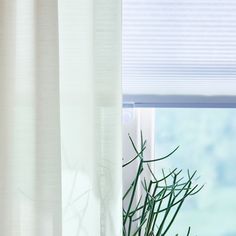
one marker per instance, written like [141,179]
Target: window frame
[178,101]
[139,120]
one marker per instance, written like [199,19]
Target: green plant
[156,209]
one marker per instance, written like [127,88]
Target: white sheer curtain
[36,191]
[90,115]
[29,119]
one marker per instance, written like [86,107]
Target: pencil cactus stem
[161,198]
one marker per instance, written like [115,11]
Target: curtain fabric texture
[60,158]
[91,117]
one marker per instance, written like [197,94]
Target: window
[179,87]
[207,138]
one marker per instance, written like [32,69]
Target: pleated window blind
[179,47]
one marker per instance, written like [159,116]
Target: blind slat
[181,47]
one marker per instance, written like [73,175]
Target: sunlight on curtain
[91,117]
[30,179]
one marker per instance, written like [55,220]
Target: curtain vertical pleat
[90,33]
[30,170]
[39,195]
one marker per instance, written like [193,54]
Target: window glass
[207,139]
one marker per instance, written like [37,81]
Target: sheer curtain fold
[30,173]
[91,116]
[44,192]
